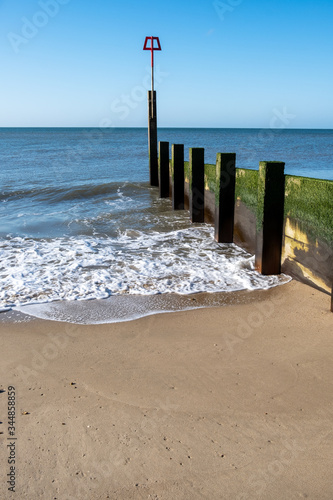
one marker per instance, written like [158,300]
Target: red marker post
[152,47]
[152,43]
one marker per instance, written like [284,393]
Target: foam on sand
[144,263]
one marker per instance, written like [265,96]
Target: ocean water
[79,220]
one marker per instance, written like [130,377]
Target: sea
[80,222]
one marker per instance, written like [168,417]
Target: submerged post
[270,216]
[163,168]
[178,179]
[225,197]
[197,184]
[152,121]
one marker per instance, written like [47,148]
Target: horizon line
[162,127]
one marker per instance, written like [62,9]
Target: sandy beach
[229,402]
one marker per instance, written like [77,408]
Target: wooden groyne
[285,221]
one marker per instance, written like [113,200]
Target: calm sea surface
[79,221]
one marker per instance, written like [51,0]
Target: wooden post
[225,197]
[163,168]
[178,176]
[197,184]
[152,139]
[332,299]
[270,217]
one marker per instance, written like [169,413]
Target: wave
[56,194]
[133,263]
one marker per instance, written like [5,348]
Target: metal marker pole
[152,48]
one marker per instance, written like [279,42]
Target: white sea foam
[145,263]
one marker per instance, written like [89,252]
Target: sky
[224,63]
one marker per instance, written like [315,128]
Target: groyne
[286,221]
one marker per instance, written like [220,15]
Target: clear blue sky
[232,63]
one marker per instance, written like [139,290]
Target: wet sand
[228,402]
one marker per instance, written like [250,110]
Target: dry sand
[232,402]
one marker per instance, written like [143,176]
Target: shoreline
[222,402]
[115,309]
